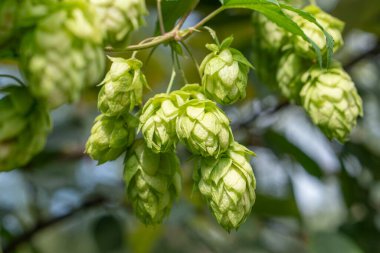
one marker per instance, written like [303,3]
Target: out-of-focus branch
[28,235]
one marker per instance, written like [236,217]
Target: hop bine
[24,126]
[111,136]
[153,182]
[228,185]
[330,98]
[58,74]
[204,128]
[225,73]
[122,87]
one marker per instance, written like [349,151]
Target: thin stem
[14,78]
[171,80]
[160,18]
[187,49]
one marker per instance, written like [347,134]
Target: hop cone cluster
[153,182]
[119,18]
[330,98]
[122,87]
[204,128]
[63,53]
[225,73]
[24,126]
[228,185]
[110,137]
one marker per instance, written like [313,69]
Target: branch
[28,235]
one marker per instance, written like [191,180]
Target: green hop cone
[122,87]
[331,24]
[291,68]
[153,182]
[224,73]
[204,128]
[24,126]
[110,137]
[330,98]
[228,185]
[119,18]
[63,53]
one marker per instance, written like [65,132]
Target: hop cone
[225,73]
[291,67]
[204,128]
[8,15]
[331,24]
[119,18]
[122,87]
[110,137]
[24,125]
[153,182]
[228,185]
[330,98]
[63,53]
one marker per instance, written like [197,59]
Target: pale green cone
[110,137]
[330,98]
[119,18]
[204,128]
[153,182]
[225,73]
[157,123]
[331,24]
[288,76]
[24,126]
[122,88]
[57,74]
[228,185]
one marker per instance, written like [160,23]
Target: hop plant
[122,87]
[110,137]
[24,126]
[204,128]
[119,18]
[228,185]
[331,24]
[153,182]
[330,98]
[224,73]
[57,74]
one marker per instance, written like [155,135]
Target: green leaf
[172,10]
[273,11]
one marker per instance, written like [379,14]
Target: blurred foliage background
[313,195]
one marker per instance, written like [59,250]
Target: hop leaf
[204,128]
[24,126]
[153,182]
[225,74]
[122,87]
[330,98]
[119,18]
[110,137]
[57,74]
[228,185]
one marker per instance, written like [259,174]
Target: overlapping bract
[153,182]
[228,185]
[225,73]
[24,126]
[63,53]
[110,137]
[204,128]
[330,98]
[122,88]
[119,18]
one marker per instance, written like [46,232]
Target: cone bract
[110,137]
[122,87]
[204,128]
[24,126]
[153,182]
[330,98]
[228,185]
